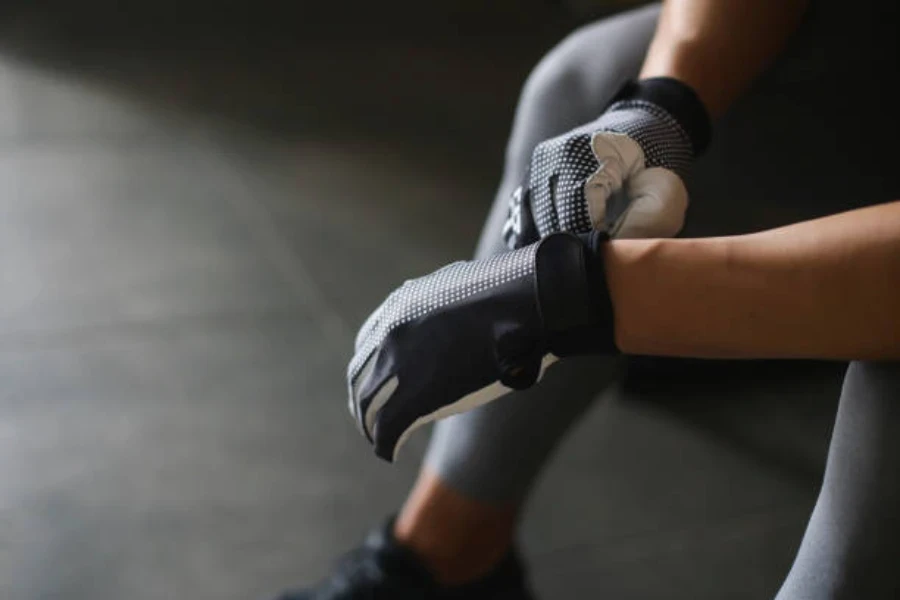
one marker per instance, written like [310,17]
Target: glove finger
[543,175]
[658,200]
[354,384]
[519,229]
[373,322]
[618,158]
[393,425]
[374,382]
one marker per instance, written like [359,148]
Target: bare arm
[828,288]
[718,47]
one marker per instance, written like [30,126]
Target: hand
[621,174]
[472,331]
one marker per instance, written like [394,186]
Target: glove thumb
[655,199]
[657,202]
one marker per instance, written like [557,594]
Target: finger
[618,158]
[358,383]
[373,323]
[519,229]
[372,388]
[395,423]
[658,200]
[382,395]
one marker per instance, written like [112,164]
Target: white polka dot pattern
[419,297]
[664,142]
[560,166]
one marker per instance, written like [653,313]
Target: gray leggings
[771,163]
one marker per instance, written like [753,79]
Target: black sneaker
[383,569]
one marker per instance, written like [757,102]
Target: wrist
[629,268]
[667,294]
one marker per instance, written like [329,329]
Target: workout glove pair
[472,331]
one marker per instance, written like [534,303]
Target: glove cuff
[679,100]
[573,300]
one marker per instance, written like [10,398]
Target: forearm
[719,47]
[827,289]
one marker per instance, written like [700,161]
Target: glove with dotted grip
[622,173]
[472,331]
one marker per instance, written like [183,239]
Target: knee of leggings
[873,380]
[593,60]
[551,102]
[570,85]
[588,66]
[556,79]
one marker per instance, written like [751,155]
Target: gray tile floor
[186,247]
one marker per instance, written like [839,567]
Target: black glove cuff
[679,100]
[574,302]
[594,244]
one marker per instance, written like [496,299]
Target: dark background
[199,205]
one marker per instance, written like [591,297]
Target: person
[577,265]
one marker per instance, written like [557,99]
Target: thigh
[852,541]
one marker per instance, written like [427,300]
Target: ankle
[457,561]
[457,538]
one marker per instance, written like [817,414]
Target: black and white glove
[622,174]
[472,331]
